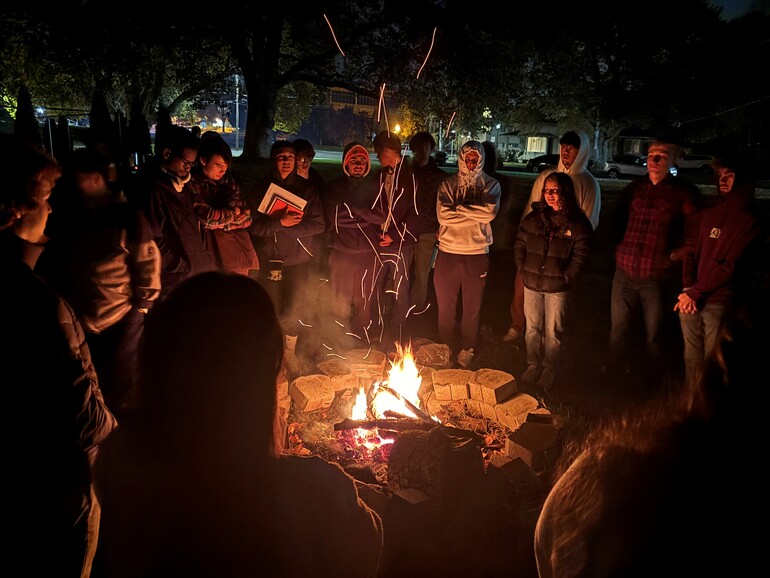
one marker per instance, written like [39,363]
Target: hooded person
[467,203]
[284,238]
[574,153]
[717,263]
[353,219]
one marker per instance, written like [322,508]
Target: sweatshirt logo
[715,232]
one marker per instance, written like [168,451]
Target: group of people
[152,315]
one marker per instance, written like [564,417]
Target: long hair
[567,197]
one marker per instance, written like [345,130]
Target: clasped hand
[685,304]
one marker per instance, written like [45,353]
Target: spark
[383,109]
[352,335]
[414,197]
[410,310]
[363,292]
[327,347]
[367,353]
[424,310]
[335,36]
[336,227]
[349,211]
[303,246]
[336,355]
[338,323]
[427,55]
[450,124]
[367,334]
[303,324]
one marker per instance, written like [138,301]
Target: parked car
[697,162]
[625,166]
[537,164]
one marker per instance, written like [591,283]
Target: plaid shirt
[656,225]
[215,202]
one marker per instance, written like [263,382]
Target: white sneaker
[512,335]
[465,357]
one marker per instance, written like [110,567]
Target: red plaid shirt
[656,225]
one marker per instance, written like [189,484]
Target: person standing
[652,217]
[353,219]
[428,177]
[715,271]
[158,191]
[103,260]
[467,203]
[56,417]
[398,238]
[284,239]
[305,154]
[574,155]
[551,248]
[222,213]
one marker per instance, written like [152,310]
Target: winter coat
[398,200]
[55,415]
[353,217]
[294,245]
[175,228]
[551,248]
[225,218]
[103,260]
[428,179]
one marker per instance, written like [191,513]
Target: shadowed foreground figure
[192,485]
[667,491]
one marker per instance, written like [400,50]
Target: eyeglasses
[551,191]
[185,163]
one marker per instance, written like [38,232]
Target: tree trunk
[260,119]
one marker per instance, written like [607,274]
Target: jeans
[626,293]
[699,331]
[544,314]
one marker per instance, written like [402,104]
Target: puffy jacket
[551,249]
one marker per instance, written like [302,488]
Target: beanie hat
[571,138]
[357,149]
[386,140]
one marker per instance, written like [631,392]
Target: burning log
[397,424]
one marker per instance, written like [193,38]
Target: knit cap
[350,150]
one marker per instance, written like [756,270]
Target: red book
[277,199]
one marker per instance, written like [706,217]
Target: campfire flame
[403,383]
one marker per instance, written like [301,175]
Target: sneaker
[546,379]
[465,357]
[289,343]
[512,335]
[530,375]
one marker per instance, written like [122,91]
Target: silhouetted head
[209,360]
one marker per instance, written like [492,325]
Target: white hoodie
[467,203]
[587,190]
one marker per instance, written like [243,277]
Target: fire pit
[367,410]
